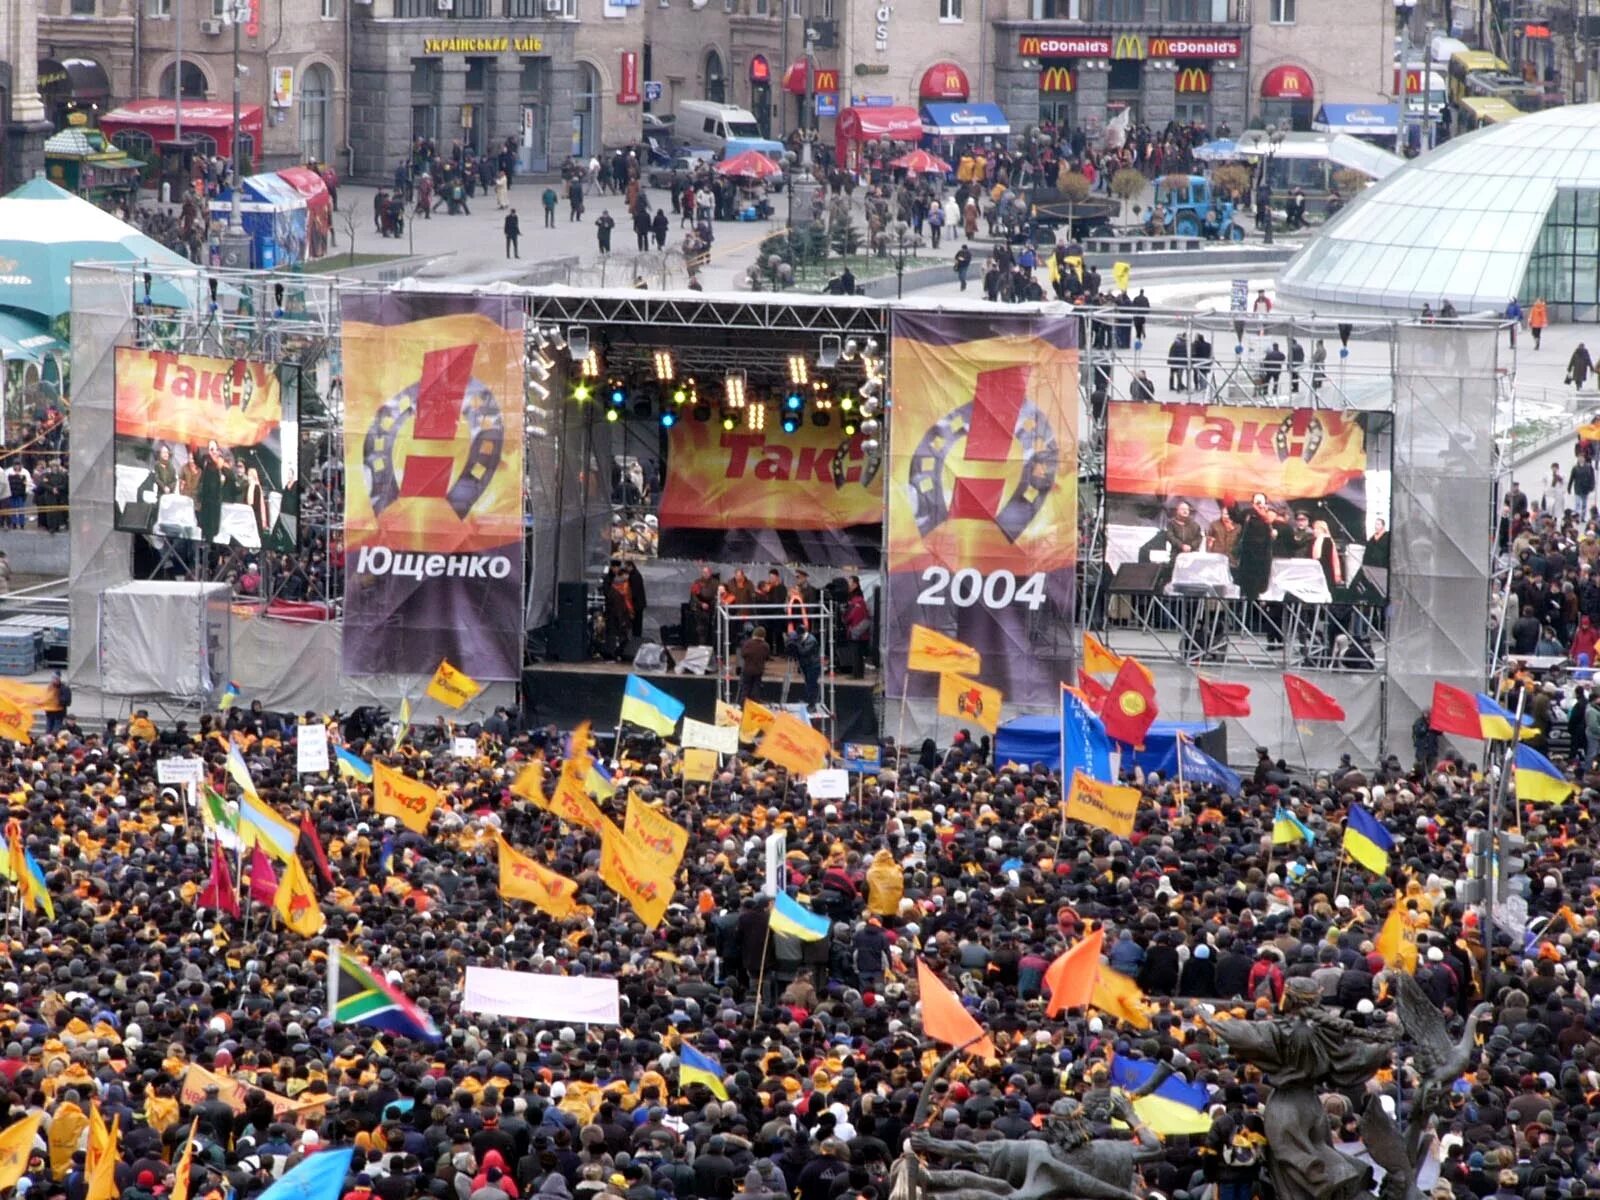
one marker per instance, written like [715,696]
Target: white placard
[777,849]
[180,770]
[699,735]
[311,749]
[464,747]
[534,997]
[831,783]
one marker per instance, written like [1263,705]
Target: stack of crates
[20,650]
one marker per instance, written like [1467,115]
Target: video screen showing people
[1250,503]
[206,449]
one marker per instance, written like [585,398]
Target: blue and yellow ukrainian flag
[352,767]
[1539,780]
[1496,721]
[1366,841]
[694,1067]
[647,706]
[260,825]
[788,917]
[1286,827]
[1175,1107]
[230,696]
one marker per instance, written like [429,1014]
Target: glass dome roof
[1458,223]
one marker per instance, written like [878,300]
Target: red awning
[896,122]
[1287,83]
[944,81]
[197,114]
[824,79]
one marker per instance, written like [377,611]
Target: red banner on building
[433,484]
[628,92]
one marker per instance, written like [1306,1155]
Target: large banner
[433,484]
[206,448]
[983,497]
[1250,490]
[807,496]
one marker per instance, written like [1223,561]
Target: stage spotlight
[871,348]
[791,422]
[664,366]
[578,342]
[820,418]
[793,402]
[613,415]
[733,388]
[799,370]
[539,368]
[846,403]
[668,418]
[538,390]
[829,348]
[727,421]
[850,426]
[641,408]
[619,397]
[590,365]
[870,388]
[581,392]
[680,396]
[851,348]
[702,413]
[755,418]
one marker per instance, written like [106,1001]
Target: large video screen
[207,449]
[1251,503]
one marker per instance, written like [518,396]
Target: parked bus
[1465,63]
[1474,112]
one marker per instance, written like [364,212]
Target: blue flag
[320,1177]
[1084,744]
[1130,1074]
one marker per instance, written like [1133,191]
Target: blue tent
[274,215]
[1038,740]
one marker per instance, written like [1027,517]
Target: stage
[566,693]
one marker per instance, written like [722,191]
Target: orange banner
[636,874]
[398,795]
[191,399]
[813,478]
[795,746]
[1225,453]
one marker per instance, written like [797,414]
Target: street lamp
[1266,143]
[903,239]
[1402,29]
[237,15]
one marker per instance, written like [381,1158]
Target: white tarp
[535,997]
[164,639]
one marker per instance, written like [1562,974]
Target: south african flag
[359,996]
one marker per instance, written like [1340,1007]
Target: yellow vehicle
[1474,112]
[1465,63]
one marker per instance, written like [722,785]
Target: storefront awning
[895,122]
[944,81]
[1363,120]
[823,79]
[79,79]
[1287,83]
[964,120]
[197,114]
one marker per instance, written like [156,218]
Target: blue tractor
[1194,210]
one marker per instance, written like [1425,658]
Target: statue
[1305,1048]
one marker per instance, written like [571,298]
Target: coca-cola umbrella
[920,162]
[750,164]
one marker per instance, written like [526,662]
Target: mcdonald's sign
[1130,46]
[1032,45]
[1056,79]
[825,80]
[1194,81]
[1164,47]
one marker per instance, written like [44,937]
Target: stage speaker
[1370,586]
[570,638]
[1141,579]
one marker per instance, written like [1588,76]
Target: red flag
[943,1017]
[1130,706]
[1454,711]
[310,841]
[1224,699]
[1071,977]
[218,892]
[263,879]
[1308,702]
[1092,690]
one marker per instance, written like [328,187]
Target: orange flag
[1071,977]
[943,1017]
[1118,996]
[793,745]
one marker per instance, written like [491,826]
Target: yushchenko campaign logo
[964,468]
[969,703]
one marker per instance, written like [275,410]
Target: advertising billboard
[206,448]
[809,496]
[433,484]
[1257,489]
[983,489]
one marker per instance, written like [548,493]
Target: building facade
[1304,54]
[22,116]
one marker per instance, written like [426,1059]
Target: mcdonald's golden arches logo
[1194,81]
[1056,79]
[1028,47]
[1129,46]
[826,80]
[953,81]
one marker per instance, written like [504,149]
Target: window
[82,8]
[531,82]
[1189,10]
[1282,12]
[159,9]
[416,8]
[329,12]
[316,91]
[424,123]
[949,10]
[1119,10]
[194,82]
[135,143]
[477,74]
[425,76]
[569,10]
[763,8]
[795,9]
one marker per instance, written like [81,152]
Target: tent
[274,214]
[45,229]
[896,123]
[319,208]
[213,120]
[1038,740]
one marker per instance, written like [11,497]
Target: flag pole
[761,971]
[1311,776]
[1497,799]
[1338,873]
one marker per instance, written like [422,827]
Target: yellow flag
[968,700]
[529,783]
[1394,942]
[932,651]
[728,714]
[571,802]
[185,1169]
[100,1163]
[405,719]
[397,795]
[450,687]
[699,766]
[1098,659]
[16,1147]
[521,878]
[632,873]
[16,721]
[754,720]
[654,832]
[794,745]
[1102,804]
[1118,996]
[296,903]
[1120,273]
[598,784]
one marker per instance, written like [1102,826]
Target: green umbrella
[24,336]
[44,230]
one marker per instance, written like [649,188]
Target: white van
[709,126]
